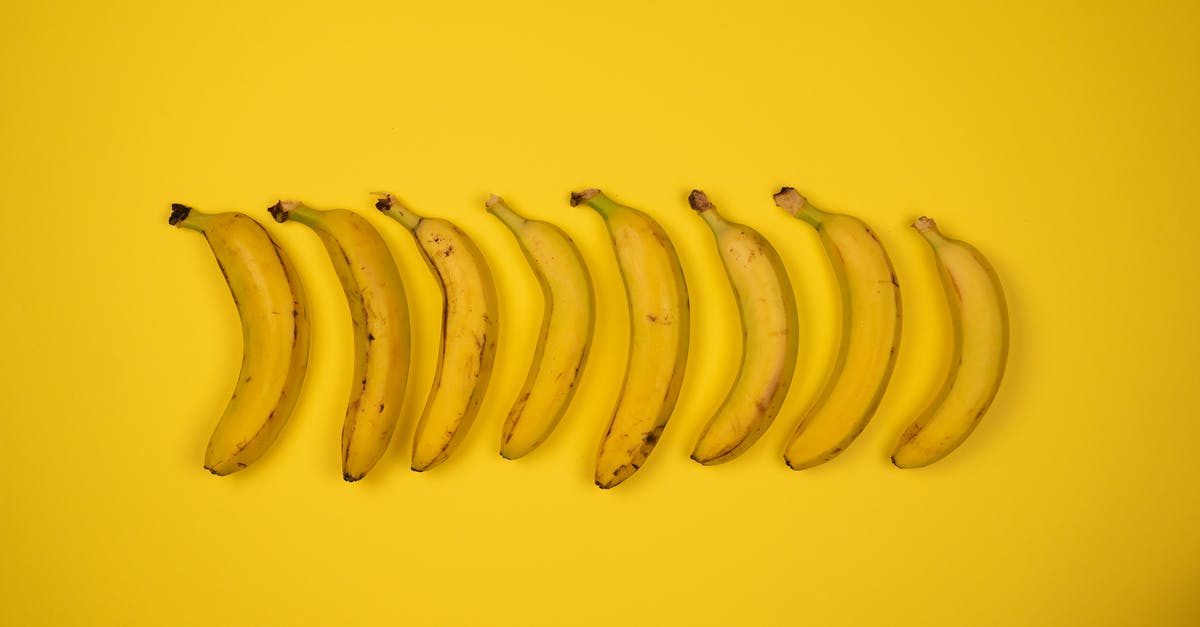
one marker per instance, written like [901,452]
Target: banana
[870,334]
[769,330]
[979,352]
[470,315]
[566,333]
[659,321]
[379,314]
[274,314]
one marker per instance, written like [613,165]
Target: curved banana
[379,314]
[979,317]
[659,321]
[470,315]
[566,333]
[870,334]
[769,330]
[271,304]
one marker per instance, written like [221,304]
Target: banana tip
[492,201]
[349,478]
[280,214]
[578,198]
[384,203]
[925,223]
[179,213]
[700,202]
[790,200]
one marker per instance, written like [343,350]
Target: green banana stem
[391,206]
[185,217]
[497,207]
[595,199]
[700,202]
[929,230]
[792,202]
[285,210]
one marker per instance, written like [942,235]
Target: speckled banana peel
[659,321]
[380,328]
[979,317]
[870,334]
[470,319]
[565,337]
[275,334]
[767,308]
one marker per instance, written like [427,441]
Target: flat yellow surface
[1060,138]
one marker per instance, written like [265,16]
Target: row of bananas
[271,303]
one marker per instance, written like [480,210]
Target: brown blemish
[651,438]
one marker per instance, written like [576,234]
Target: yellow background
[1060,138]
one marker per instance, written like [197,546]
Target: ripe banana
[769,331]
[870,334]
[379,314]
[470,315]
[659,322]
[979,318]
[566,333]
[274,314]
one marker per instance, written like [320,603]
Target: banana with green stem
[470,321]
[568,317]
[979,317]
[275,335]
[380,328]
[659,323]
[767,308]
[870,334]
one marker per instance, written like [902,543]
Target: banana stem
[792,202]
[595,199]
[497,207]
[185,217]
[285,210]
[391,206]
[700,202]
[929,230]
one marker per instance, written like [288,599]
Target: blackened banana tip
[278,212]
[179,213]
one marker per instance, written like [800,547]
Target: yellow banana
[769,330]
[870,334]
[659,321]
[274,314]
[470,315]
[566,333]
[379,314]
[979,318]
